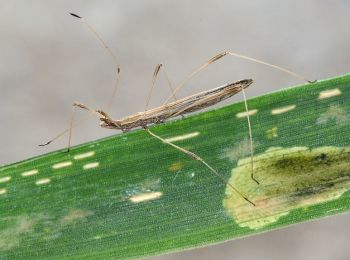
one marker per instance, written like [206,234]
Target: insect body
[179,107]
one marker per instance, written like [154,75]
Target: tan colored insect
[178,107]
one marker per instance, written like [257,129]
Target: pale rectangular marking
[62,165]
[43,181]
[245,114]
[182,137]
[84,155]
[91,165]
[282,110]
[3,191]
[145,197]
[5,179]
[329,93]
[29,173]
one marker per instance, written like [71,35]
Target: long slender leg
[251,147]
[154,77]
[250,138]
[173,95]
[70,129]
[229,53]
[218,57]
[95,112]
[73,124]
[198,158]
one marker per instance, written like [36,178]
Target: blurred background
[48,60]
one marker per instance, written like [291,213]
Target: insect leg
[154,77]
[173,94]
[114,91]
[198,158]
[68,130]
[251,147]
[74,124]
[229,53]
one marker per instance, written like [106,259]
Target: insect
[178,107]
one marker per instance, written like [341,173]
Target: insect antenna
[109,52]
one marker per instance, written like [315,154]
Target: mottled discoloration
[174,167]
[334,114]
[271,133]
[148,185]
[11,236]
[291,178]
[75,215]
[240,150]
[42,226]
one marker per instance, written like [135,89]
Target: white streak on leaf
[329,93]
[244,114]
[182,137]
[145,196]
[84,155]
[62,165]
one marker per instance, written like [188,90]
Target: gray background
[48,60]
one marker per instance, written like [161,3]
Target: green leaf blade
[129,195]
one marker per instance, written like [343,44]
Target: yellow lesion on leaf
[290,178]
[271,133]
[174,167]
